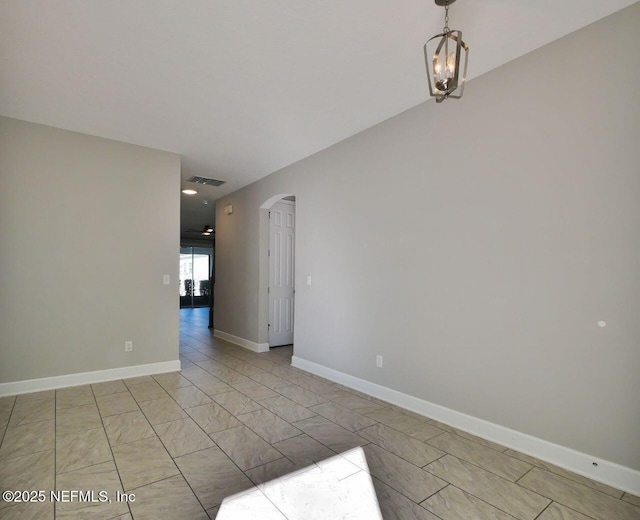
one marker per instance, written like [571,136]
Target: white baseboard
[245,343]
[83,378]
[610,473]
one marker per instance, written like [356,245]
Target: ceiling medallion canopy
[446,57]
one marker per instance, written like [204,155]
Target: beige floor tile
[74,396]
[442,426]
[193,372]
[317,386]
[78,418]
[196,356]
[269,380]
[412,414]
[185,363]
[127,427]
[284,371]
[182,436]
[28,472]
[172,380]
[212,476]
[142,462]
[108,387]
[236,403]
[479,440]
[27,439]
[558,512]
[245,448]
[213,512]
[229,376]
[213,386]
[189,396]
[395,506]
[422,418]
[162,410]
[300,395]
[330,434]
[29,511]
[36,396]
[409,425]
[401,444]
[411,481]
[578,497]
[169,499]
[126,516]
[287,409]
[6,407]
[114,404]
[565,473]
[303,450]
[454,504]
[132,381]
[271,470]
[497,491]
[353,402]
[80,449]
[345,417]
[25,412]
[269,426]
[147,391]
[221,364]
[212,418]
[632,499]
[100,477]
[248,370]
[255,390]
[491,460]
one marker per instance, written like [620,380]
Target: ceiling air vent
[205,180]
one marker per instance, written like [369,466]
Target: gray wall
[88,227]
[476,244]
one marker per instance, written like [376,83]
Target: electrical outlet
[379,361]
[128,346]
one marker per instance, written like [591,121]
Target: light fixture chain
[446,18]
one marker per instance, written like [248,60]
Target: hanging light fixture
[442,56]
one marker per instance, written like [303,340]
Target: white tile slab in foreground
[318,492]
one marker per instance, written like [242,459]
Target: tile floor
[233,419]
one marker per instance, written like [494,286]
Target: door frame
[263,268]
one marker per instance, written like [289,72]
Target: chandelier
[443,55]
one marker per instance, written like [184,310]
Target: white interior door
[282,219]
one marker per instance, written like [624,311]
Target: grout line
[489,503]
[517,481]
[13,406]
[113,458]
[547,507]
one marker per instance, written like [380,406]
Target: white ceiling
[242,88]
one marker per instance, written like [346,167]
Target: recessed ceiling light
[205,202]
[189,192]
